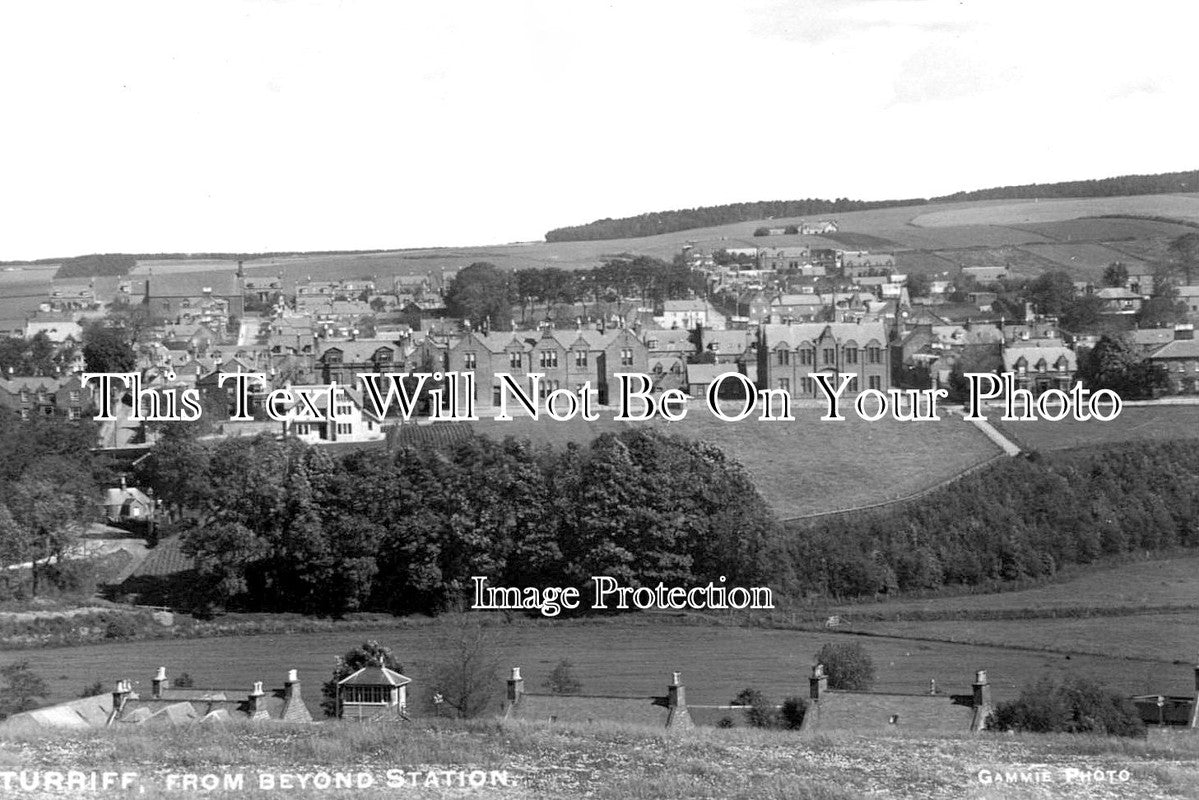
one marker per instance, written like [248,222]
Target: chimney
[255,708]
[291,689]
[982,690]
[818,683]
[516,685]
[120,695]
[932,685]
[676,693]
[160,680]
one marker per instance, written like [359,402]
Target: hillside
[687,219]
[608,761]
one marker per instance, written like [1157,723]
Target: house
[566,358]
[44,397]
[789,355]
[125,505]
[1180,358]
[1118,301]
[171,706]
[373,694]
[170,296]
[348,421]
[1148,340]
[58,326]
[1040,365]
[658,711]
[858,263]
[986,274]
[690,314]
[831,710]
[817,228]
[1189,296]
[342,361]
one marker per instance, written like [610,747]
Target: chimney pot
[257,691]
[676,693]
[292,676]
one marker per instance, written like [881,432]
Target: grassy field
[806,466]
[1086,260]
[1023,212]
[1135,423]
[1158,583]
[630,655]
[610,762]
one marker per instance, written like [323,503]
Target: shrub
[1070,705]
[793,711]
[122,627]
[23,690]
[848,666]
[93,690]
[184,681]
[563,679]
[759,713]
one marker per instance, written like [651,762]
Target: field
[807,466]
[1023,212]
[612,762]
[1135,423]
[632,655]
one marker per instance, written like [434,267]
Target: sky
[266,126]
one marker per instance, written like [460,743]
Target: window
[830,355]
[301,428]
[875,382]
[344,428]
[853,383]
[785,384]
[469,361]
[580,358]
[626,357]
[808,385]
[546,387]
[549,358]
[807,357]
[333,357]
[851,355]
[784,357]
[24,395]
[875,355]
[514,359]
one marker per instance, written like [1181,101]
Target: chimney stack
[516,685]
[160,679]
[982,690]
[676,693]
[291,689]
[120,695]
[255,708]
[818,683]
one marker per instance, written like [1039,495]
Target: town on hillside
[777,315]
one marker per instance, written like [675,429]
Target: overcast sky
[256,126]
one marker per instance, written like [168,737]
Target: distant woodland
[686,219]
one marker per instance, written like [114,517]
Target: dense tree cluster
[35,356]
[49,487]
[484,294]
[1021,518]
[282,526]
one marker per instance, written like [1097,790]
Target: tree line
[707,216]
[484,294]
[1020,518]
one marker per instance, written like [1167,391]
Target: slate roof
[1178,348]
[793,335]
[1033,355]
[863,712]
[358,351]
[193,284]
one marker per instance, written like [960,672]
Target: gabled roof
[358,351]
[1179,348]
[793,335]
[1034,355]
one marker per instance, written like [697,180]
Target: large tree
[482,294]
[108,349]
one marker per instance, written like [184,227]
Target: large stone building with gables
[789,355]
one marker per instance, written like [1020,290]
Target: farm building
[164,704]
[863,712]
